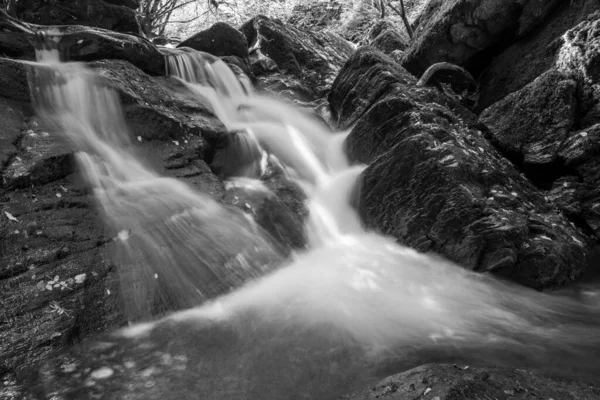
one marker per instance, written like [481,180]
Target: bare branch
[402,14]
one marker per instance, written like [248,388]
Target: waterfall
[320,322]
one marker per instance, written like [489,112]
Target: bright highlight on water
[349,305]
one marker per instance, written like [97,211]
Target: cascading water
[352,303]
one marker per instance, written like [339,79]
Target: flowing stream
[349,308]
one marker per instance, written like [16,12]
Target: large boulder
[389,41]
[435,183]
[116,15]
[469,33]
[532,123]
[532,55]
[312,58]
[220,40]
[550,127]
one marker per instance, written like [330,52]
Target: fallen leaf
[10,216]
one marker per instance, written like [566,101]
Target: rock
[550,126]
[221,39]
[96,13]
[285,227]
[48,309]
[262,65]
[80,43]
[532,124]
[17,40]
[579,57]
[378,28]
[243,65]
[313,58]
[577,191]
[388,41]
[532,55]
[436,184]
[469,34]
[580,52]
[453,80]
[449,382]
[160,108]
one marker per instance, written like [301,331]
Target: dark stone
[533,123]
[284,226]
[17,40]
[96,13]
[436,184]
[220,40]
[242,64]
[388,41]
[577,193]
[380,27]
[314,58]
[534,54]
[469,34]
[263,65]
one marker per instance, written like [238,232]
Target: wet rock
[17,40]
[262,65]
[220,40]
[435,183]
[56,238]
[160,108]
[41,158]
[284,226]
[96,13]
[532,124]
[577,192]
[448,382]
[469,34]
[80,43]
[313,58]
[532,55]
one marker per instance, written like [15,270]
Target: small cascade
[310,152]
[176,247]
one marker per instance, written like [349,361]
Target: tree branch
[404,18]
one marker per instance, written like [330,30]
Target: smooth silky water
[350,308]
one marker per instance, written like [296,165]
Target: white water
[351,289]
